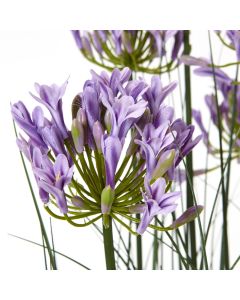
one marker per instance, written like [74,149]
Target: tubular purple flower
[110,86]
[156,94]
[91,105]
[98,133]
[32,127]
[154,142]
[234,36]
[97,42]
[189,215]
[77,38]
[51,97]
[221,77]
[183,142]
[111,149]
[53,138]
[198,119]
[28,149]
[53,177]
[124,113]
[117,38]
[211,103]
[157,202]
[194,61]
[177,44]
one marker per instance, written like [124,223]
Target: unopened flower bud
[189,215]
[97,134]
[78,135]
[76,104]
[164,163]
[137,209]
[77,201]
[107,121]
[107,198]
[81,117]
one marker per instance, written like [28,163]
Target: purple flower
[32,127]
[111,86]
[124,113]
[234,36]
[77,38]
[221,77]
[194,61]
[52,178]
[160,39]
[111,149]
[91,105]
[51,97]
[177,44]
[154,142]
[53,138]
[29,151]
[183,142]
[156,94]
[157,202]
[117,39]
[198,119]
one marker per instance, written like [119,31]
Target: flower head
[131,48]
[157,202]
[124,145]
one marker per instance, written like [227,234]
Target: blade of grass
[53,247]
[59,253]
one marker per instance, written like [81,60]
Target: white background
[50,56]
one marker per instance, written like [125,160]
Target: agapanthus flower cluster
[228,104]
[148,51]
[118,159]
[231,39]
[229,110]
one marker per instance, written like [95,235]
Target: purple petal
[58,195]
[111,148]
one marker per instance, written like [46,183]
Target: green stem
[108,246]
[224,263]
[189,159]
[155,247]
[139,249]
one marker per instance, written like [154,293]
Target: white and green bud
[107,121]
[164,163]
[107,198]
[97,134]
[81,117]
[78,202]
[78,135]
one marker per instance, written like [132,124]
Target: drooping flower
[52,178]
[157,202]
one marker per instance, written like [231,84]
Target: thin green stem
[224,263]
[189,160]
[109,246]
